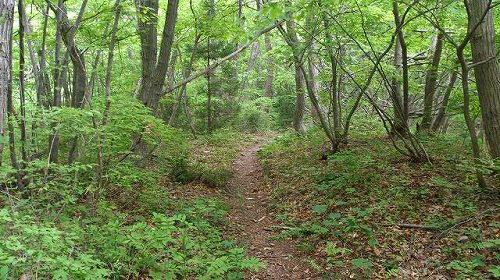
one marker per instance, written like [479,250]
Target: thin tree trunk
[189,117]
[396,94]
[171,71]
[183,91]
[22,96]
[211,13]
[476,152]
[44,90]
[335,82]
[209,91]
[313,78]
[401,60]
[101,138]
[94,72]
[439,120]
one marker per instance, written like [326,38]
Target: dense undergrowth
[347,212]
[62,225]
[210,158]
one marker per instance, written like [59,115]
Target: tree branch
[222,60]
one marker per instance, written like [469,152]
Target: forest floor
[304,217]
[252,221]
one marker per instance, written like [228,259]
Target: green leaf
[4,272]
[495,271]
[361,263]
[319,209]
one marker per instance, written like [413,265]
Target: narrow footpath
[249,200]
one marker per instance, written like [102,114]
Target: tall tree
[154,62]
[486,69]
[6,24]
[401,105]
[22,95]
[59,78]
[300,99]
[268,84]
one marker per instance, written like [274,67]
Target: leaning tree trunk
[80,93]
[439,120]
[183,91]
[6,24]
[254,54]
[431,82]
[487,71]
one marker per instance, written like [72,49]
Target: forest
[249,139]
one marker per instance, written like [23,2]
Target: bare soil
[252,221]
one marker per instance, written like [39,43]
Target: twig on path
[260,220]
[274,228]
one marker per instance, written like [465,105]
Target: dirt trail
[249,199]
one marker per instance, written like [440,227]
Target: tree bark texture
[6,25]
[487,71]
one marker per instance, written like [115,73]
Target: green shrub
[182,245]
[284,107]
[256,115]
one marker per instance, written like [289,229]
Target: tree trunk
[476,151]
[313,73]
[44,88]
[268,85]
[396,94]
[300,100]
[335,81]
[401,60]
[183,91]
[431,81]
[6,25]
[487,71]
[7,16]
[254,53]
[80,94]
[154,65]
[439,120]
[59,77]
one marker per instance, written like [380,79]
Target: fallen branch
[224,59]
[466,221]
[274,228]
[413,226]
